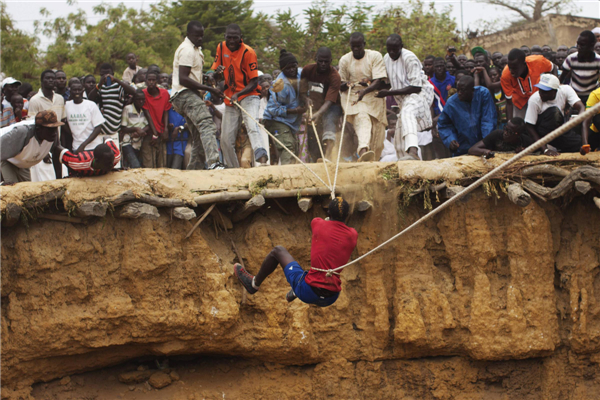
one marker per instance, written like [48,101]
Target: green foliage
[19,55]
[424,29]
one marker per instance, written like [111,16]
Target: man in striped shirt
[583,67]
[99,161]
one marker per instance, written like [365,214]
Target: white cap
[596,30]
[548,82]
[9,81]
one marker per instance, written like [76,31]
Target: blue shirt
[279,103]
[443,87]
[467,123]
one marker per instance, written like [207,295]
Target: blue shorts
[295,276]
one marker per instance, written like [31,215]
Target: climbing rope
[312,121]
[337,164]
[545,140]
[281,144]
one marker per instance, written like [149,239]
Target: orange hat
[47,118]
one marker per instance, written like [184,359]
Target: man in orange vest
[236,63]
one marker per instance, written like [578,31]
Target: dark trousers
[551,119]
[132,155]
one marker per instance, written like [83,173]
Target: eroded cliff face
[489,300]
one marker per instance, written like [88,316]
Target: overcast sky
[25,12]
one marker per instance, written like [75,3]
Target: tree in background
[19,52]
[424,29]
[532,10]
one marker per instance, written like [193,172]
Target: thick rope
[545,140]
[337,164]
[281,144]
[319,143]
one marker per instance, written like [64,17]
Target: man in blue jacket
[467,117]
[283,114]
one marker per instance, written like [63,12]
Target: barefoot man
[332,244]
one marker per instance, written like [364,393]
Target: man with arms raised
[413,93]
[187,100]
[236,63]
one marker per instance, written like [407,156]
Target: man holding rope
[332,244]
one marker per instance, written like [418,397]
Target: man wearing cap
[9,88]
[545,113]
[25,145]
[361,71]
[519,79]
[283,114]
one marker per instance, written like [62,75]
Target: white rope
[312,121]
[545,140]
[337,164]
[281,144]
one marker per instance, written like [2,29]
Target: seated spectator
[513,139]
[545,113]
[25,145]
[154,150]
[99,161]
[85,120]
[134,128]
[132,68]
[593,138]
[467,117]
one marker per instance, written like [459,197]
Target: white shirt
[405,71]
[535,106]
[82,119]
[187,55]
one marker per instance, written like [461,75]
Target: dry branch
[248,208]
[200,220]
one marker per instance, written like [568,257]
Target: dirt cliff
[487,301]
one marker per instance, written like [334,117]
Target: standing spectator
[237,65]
[361,72]
[497,60]
[132,68]
[89,84]
[26,90]
[25,145]
[546,111]
[442,80]
[596,32]
[17,103]
[559,60]
[413,93]
[60,85]
[519,79]
[467,117]
[139,79]
[322,83]
[154,150]
[163,80]
[462,60]
[428,67]
[597,48]
[498,94]
[134,128]
[284,109]
[187,82]
[8,115]
[10,86]
[85,120]
[526,50]
[593,138]
[178,138]
[583,67]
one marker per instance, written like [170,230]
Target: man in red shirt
[99,161]
[236,63]
[519,79]
[332,244]
[154,149]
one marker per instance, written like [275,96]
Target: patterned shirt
[112,99]
[584,74]
[8,116]
[80,164]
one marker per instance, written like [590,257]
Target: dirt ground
[486,301]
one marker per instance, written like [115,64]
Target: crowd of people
[396,107]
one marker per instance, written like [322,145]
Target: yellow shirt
[592,101]
[191,56]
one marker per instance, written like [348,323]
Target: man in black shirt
[513,138]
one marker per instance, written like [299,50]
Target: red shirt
[80,164]
[157,106]
[332,244]
[241,66]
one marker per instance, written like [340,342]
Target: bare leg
[279,255]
